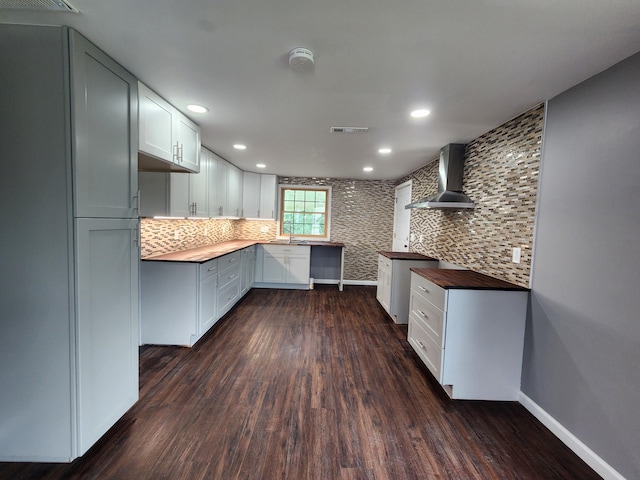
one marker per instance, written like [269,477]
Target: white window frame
[326,188]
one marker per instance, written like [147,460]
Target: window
[305,211]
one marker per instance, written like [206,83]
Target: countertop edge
[456,280]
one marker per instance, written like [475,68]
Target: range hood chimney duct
[450,174]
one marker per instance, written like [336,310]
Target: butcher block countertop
[467,279]
[406,256]
[215,250]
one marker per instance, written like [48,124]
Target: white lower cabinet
[248,268]
[181,301]
[228,282]
[283,266]
[470,339]
[394,278]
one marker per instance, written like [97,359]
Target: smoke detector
[301,58]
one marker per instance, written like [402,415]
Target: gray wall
[582,352]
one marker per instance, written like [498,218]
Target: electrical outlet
[421,238]
[413,237]
[206,231]
[264,229]
[515,256]
[176,234]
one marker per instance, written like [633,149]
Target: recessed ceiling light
[368,169]
[239,146]
[420,113]
[261,165]
[384,150]
[197,108]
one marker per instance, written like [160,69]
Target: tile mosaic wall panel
[501,177]
[361,218]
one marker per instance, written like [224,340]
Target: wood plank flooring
[314,384]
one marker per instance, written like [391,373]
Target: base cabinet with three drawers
[468,329]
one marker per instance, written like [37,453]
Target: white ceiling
[474,63]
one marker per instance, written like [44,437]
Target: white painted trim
[602,468]
[361,282]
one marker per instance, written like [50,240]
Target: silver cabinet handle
[180,153]
[423,314]
[211,269]
[176,158]
[421,345]
[422,288]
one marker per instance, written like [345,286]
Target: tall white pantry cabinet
[70,254]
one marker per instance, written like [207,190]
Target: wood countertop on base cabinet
[469,332]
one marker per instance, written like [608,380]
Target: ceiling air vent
[349,129]
[48,5]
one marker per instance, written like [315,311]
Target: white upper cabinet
[165,134]
[234,191]
[157,118]
[259,195]
[268,195]
[250,195]
[187,143]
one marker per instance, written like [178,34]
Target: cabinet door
[274,269]
[298,269]
[188,141]
[179,195]
[248,269]
[106,262]
[105,127]
[199,187]
[207,311]
[234,190]
[250,195]
[222,187]
[156,124]
[268,195]
[153,187]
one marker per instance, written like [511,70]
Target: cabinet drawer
[430,318]
[227,296]
[384,261]
[231,274]
[228,260]
[208,268]
[426,348]
[428,290]
[287,249]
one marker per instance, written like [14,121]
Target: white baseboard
[602,468]
[360,282]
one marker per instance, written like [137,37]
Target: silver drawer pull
[211,269]
[230,297]
[231,276]
[232,259]
[423,289]
[421,345]
[423,314]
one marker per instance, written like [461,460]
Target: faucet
[290,230]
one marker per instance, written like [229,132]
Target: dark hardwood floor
[314,384]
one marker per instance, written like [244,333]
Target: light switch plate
[515,257]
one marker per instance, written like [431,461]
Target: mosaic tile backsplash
[361,218]
[158,236]
[501,177]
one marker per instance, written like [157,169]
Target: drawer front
[208,268]
[426,348]
[227,261]
[227,297]
[384,261]
[279,250]
[230,275]
[430,291]
[430,318]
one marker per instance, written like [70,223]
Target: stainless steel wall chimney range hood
[449,181]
